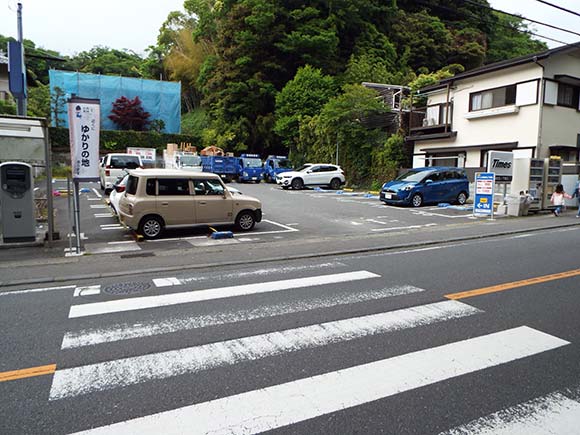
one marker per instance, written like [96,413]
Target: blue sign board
[16,71]
[484,190]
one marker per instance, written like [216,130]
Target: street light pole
[21,99]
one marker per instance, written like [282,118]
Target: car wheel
[297,184]
[461,198]
[266,178]
[417,200]
[258,181]
[151,227]
[245,221]
[335,184]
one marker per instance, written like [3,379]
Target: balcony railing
[435,118]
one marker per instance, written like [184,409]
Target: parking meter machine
[17,203]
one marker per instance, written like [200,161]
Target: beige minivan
[155,199]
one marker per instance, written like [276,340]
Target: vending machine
[17,203]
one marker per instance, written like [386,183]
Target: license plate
[388,195]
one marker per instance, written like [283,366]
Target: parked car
[312,175]
[156,199]
[275,165]
[116,193]
[114,165]
[433,184]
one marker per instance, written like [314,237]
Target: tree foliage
[128,114]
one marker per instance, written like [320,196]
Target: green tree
[341,126]
[104,60]
[7,108]
[303,96]
[39,101]
[508,40]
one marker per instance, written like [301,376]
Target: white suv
[310,174]
[113,167]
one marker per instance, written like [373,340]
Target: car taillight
[120,189]
[108,167]
[107,172]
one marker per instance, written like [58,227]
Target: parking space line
[97,193]
[99,206]
[410,227]
[279,225]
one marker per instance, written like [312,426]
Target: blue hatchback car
[433,184]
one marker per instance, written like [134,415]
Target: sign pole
[77,217]
[70,214]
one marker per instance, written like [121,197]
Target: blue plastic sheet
[161,99]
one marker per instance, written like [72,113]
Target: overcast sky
[71,26]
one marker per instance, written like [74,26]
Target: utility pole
[21,99]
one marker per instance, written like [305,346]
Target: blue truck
[227,167]
[250,168]
[275,165]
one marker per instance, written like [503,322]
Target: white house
[528,105]
[4,89]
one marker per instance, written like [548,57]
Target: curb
[387,248]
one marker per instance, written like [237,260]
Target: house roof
[497,66]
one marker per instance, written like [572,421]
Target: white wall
[560,125]
[521,126]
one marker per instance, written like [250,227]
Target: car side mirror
[309,172]
[428,181]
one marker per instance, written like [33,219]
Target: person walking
[577,195]
[558,199]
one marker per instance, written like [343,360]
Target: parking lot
[287,216]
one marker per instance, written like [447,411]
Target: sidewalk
[38,266]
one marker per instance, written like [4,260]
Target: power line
[559,7]
[522,17]
[507,26]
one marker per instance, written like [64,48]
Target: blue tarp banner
[161,99]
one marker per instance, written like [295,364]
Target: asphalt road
[381,343]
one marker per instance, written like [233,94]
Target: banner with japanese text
[84,129]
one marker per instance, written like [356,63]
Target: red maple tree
[129,114]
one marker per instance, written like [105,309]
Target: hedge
[118,141]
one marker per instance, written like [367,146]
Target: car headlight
[287,176]
[245,174]
[407,187]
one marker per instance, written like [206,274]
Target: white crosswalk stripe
[305,396]
[281,405]
[132,304]
[547,415]
[128,371]
[123,331]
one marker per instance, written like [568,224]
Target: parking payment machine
[17,203]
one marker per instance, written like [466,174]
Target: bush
[118,141]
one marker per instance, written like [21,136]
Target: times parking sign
[484,191]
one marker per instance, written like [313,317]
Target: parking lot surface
[288,215]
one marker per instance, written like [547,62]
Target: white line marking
[356,223]
[285,404]
[104,215]
[36,290]
[410,227]
[97,193]
[124,331]
[166,282]
[94,199]
[120,227]
[100,206]
[257,272]
[36,188]
[550,414]
[110,225]
[121,242]
[280,225]
[145,302]
[129,371]
[376,221]
[292,224]
[87,291]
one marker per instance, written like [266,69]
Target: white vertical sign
[84,128]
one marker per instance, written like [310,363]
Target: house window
[567,96]
[497,97]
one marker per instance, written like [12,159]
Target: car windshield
[122,162]
[414,176]
[284,164]
[190,161]
[303,168]
[252,163]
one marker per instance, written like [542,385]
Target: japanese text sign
[484,191]
[84,129]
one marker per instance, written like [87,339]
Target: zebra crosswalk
[287,313]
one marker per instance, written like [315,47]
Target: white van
[114,165]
